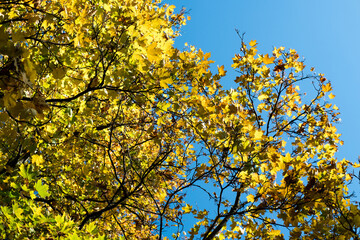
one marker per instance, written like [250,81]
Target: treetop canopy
[110,132]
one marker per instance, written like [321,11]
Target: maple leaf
[252,43]
[42,189]
[221,70]
[153,52]
[268,60]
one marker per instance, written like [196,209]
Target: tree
[106,127]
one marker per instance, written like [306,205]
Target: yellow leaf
[348,177]
[162,195]
[258,135]
[37,159]
[36,210]
[252,43]
[170,10]
[153,53]
[201,214]
[164,83]
[326,87]
[207,55]
[13,14]
[275,233]
[250,198]
[187,208]
[107,7]
[286,158]
[331,96]
[221,70]
[220,236]
[268,60]
[262,97]
[356,165]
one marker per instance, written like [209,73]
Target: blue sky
[325,33]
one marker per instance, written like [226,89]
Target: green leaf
[74,237]
[59,220]
[103,237]
[42,189]
[18,211]
[91,227]
[5,211]
[26,173]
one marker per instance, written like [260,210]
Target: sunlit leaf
[42,189]
[268,60]
[252,43]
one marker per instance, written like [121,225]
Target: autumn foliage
[110,132]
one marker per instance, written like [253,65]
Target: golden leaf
[221,70]
[250,198]
[327,87]
[154,53]
[252,43]
[268,60]
[262,97]
[37,159]
[258,135]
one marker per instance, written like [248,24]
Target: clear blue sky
[325,33]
